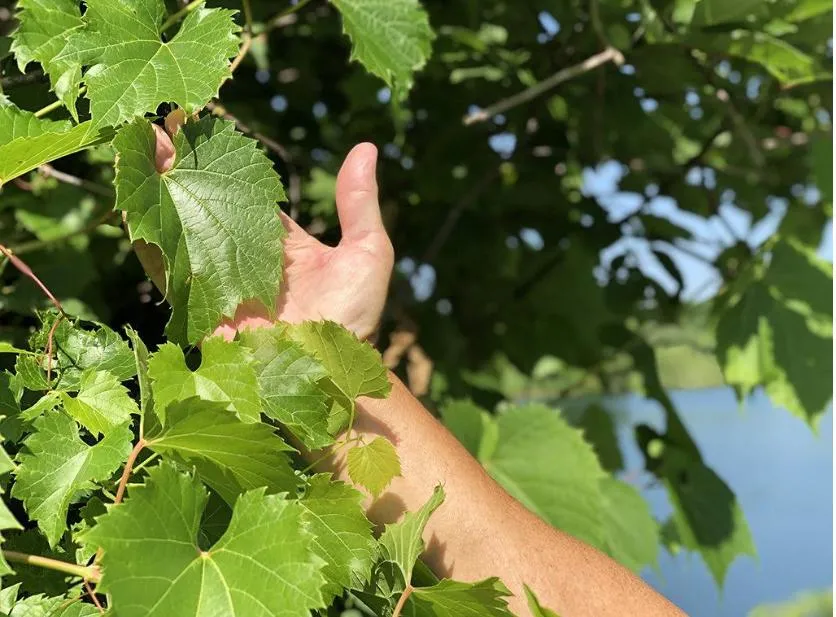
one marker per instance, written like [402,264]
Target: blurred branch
[50,172]
[608,55]
[247,38]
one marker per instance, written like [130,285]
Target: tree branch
[608,55]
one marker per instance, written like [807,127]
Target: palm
[346,283]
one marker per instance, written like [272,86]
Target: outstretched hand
[347,283]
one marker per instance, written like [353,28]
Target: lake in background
[781,472]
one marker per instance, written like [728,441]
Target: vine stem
[126,472]
[175,17]
[402,600]
[93,597]
[247,38]
[56,104]
[608,55]
[27,271]
[88,573]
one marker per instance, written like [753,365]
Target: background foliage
[518,283]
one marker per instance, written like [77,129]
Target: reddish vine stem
[93,597]
[402,600]
[126,472]
[27,271]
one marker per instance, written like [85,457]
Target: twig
[402,600]
[50,172]
[126,472]
[175,17]
[27,271]
[608,55]
[88,573]
[93,597]
[247,38]
[55,105]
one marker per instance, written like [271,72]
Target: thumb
[164,152]
[356,194]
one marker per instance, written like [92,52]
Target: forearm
[480,531]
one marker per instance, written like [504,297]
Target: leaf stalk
[88,573]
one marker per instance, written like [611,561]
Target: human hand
[347,283]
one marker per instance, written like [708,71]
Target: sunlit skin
[479,531]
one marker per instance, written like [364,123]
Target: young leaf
[58,467]
[44,26]
[402,543]
[354,367]
[102,402]
[152,566]
[343,534]
[374,465]
[77,350]
[44,606]
[563,487]
[537,610]
[392,39]
[226,374]
[289,385]
[447,597]
[631,533]
[133,70]
[232,456]
[214,215]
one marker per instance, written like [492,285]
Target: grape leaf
[472,426]
[343,534]
[27,142]
[706,514]
[447,597]
[132,70]
[354,367]
[214,215]
[631,532]
[374,465]
[8,597]
[43,29]
[289,385]
[77,350]
[231,455]
[563,488]
[391,38]
[59,467]
[402,543]
[102,403]
[7,519]
[264,565]
[148,418]
[6,347]
[43,606]
[226,374]
[537,610]
[778,334]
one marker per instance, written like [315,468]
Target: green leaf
[472,426]
[537,610]
[484,598]
[231,455]
[132,70]
[712,12]
[289,380]
[43,29]
[402,543]
[149,421]
[77,350]
[391,38]
[43,606]
[778,334]
[631,532]
[27,142]
[7,519]
[8,597]
[374,465]
[102,403]
[343,534]
[59,467]
[706,514]
[354,367]
[788,64]
[226,374]
[6,347]
[563,488]
[214,215]
[264,565]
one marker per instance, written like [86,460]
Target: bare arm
[481,531]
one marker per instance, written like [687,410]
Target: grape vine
[157,483]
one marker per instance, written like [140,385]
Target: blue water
[782,474]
